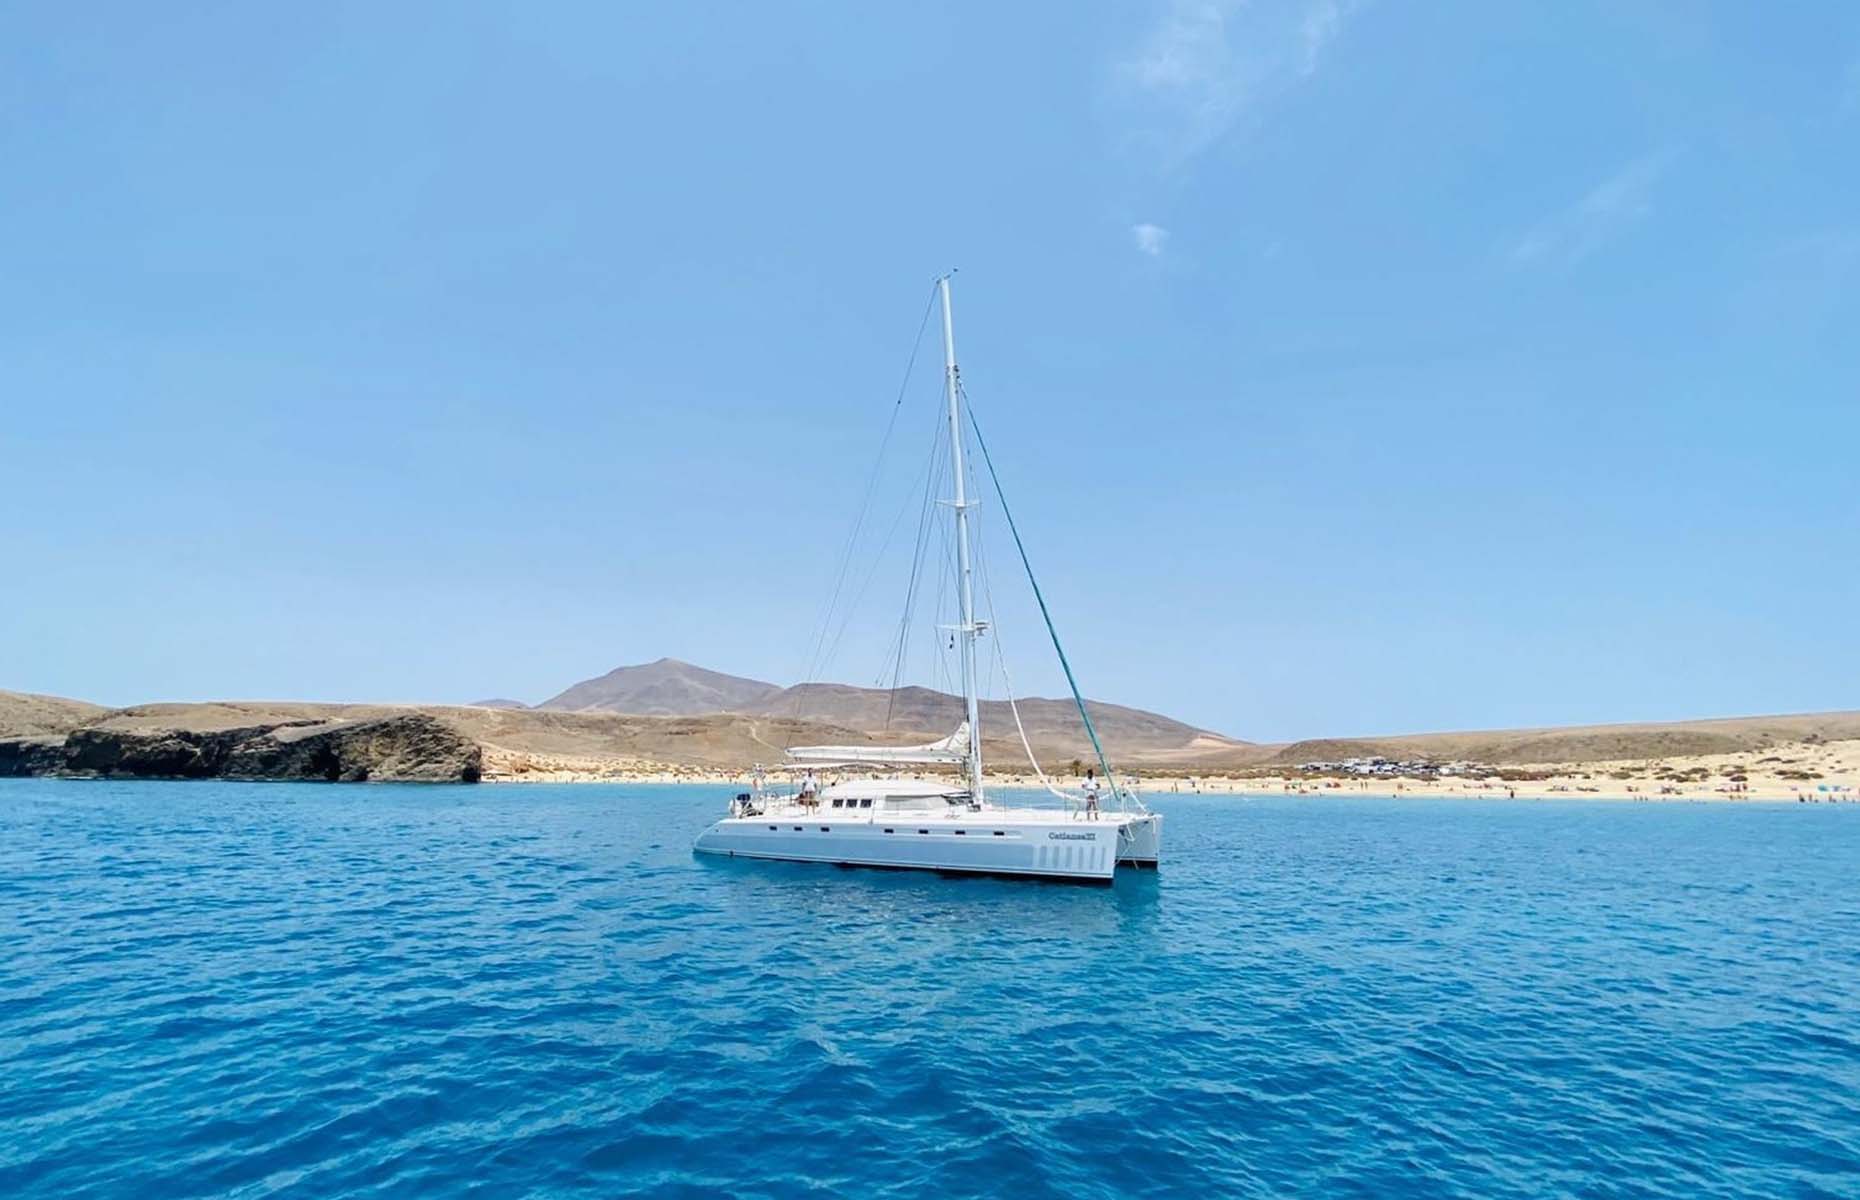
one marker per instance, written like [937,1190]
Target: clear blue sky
[1355,367]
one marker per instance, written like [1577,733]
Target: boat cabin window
[865,802]
[838,802]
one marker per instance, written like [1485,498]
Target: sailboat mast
[967,630]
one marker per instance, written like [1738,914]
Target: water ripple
[216,989]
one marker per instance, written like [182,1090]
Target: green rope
[1091,730]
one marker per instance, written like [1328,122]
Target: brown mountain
[666,688]
[672,688]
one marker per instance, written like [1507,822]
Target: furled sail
[952,749]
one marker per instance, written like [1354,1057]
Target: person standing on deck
[810,789]
[1091,794]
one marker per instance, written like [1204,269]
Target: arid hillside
[1583,743]
[24,714]
[37,732]
[727,741]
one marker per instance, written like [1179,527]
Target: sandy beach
[1805,772]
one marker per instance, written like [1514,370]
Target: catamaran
[946,821]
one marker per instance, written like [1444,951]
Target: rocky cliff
[404,747]
[32,755]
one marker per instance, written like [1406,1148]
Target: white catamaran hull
[984,843]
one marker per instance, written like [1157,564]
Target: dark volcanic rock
[158,753]
[412,747]
[31,755]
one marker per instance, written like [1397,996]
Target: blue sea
[213,989]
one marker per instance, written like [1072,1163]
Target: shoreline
[1809,771]
[1242,791]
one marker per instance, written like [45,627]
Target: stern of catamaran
[1139,841]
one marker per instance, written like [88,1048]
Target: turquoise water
[226,989]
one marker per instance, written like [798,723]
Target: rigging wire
[1007,682]
[1007,514]
[931,475]
[912,592]
[846,554]
[945,639]
[878,558]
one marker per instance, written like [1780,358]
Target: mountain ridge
[665,687]
[672,687]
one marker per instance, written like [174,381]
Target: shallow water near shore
[255,989]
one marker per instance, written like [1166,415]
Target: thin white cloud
[1150,239]
[1608,208]
[1188,74]
[1203,64]
[1323,22]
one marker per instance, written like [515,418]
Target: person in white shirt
[810,788]
[1091,794]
